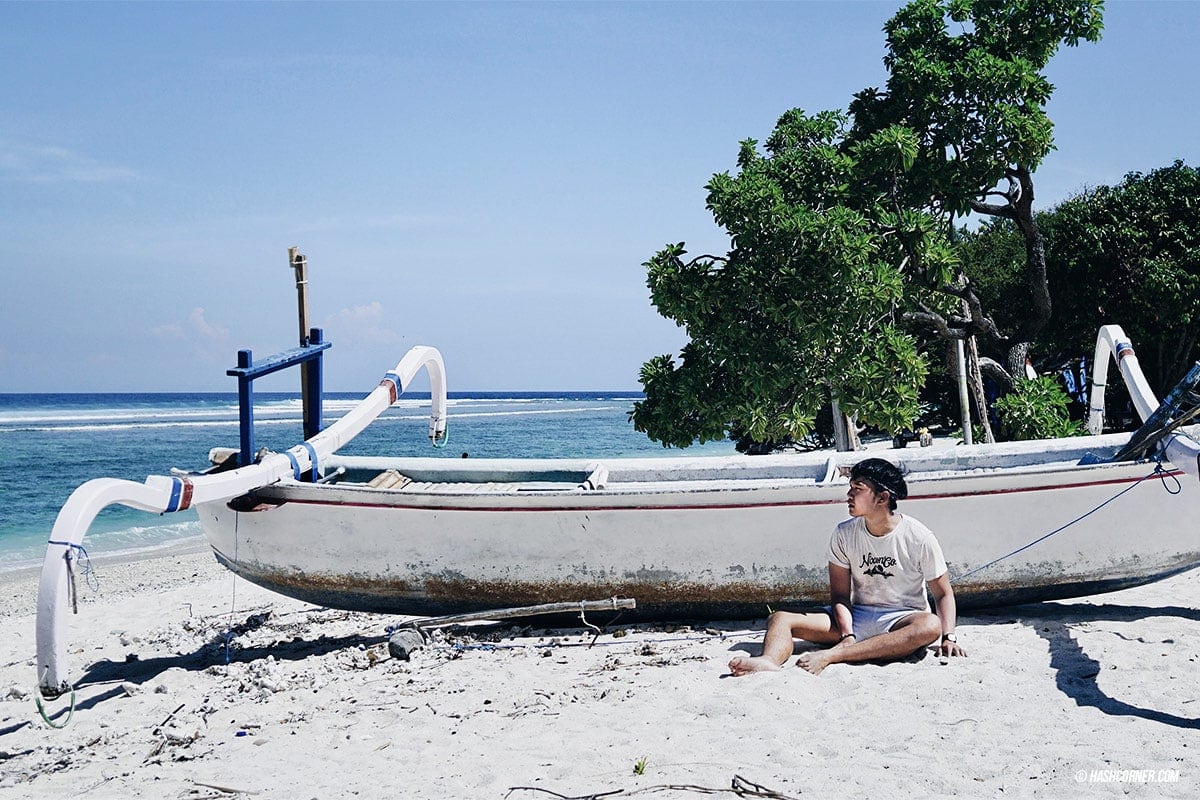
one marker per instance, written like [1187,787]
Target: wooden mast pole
[299,263]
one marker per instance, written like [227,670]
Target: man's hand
[949,648]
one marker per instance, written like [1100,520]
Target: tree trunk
[977,389]
[1015,360]
[1019,209]
[841,431]
[845,430]
[1035,276]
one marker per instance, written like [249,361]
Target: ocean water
[52,443]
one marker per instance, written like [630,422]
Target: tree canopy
[803,305]
[1126,254]
[840,227]
[975,98]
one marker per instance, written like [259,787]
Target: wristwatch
[949,637]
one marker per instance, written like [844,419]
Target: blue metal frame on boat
[309,356]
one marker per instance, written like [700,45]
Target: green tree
[839,232]
[1130,254]
[994,256]
[802,308]
[1126,254]
[975,99]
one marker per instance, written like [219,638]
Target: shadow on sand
[1076,671]
[210,654]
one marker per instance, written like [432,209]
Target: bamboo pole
[977,386]
[299,263]
[964,401]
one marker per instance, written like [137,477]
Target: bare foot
[744,665]
[815,661]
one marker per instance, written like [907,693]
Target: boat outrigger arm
[1158,433]
[164,494]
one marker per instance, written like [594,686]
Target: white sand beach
[1088,698]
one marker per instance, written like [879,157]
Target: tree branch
[933,320]
[1035,265]
[709,258]
[993,210]
[994,370]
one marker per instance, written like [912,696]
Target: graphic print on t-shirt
[877,565]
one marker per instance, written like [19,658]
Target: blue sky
[486,178]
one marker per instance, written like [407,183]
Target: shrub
[1036,409]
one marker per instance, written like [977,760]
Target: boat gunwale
[815,467]
[615,497]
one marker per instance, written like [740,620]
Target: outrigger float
[688,538]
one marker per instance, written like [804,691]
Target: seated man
[879,564]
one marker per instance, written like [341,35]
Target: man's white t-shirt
[889,571]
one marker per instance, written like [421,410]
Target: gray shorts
[873,620]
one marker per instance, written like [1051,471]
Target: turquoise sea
[51,443]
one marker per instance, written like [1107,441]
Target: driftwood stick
[562,796]
[612,604]
[410,636]
[226,789]
[163,724]
[738,786]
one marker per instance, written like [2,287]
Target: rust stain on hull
[448,594]
[666,599]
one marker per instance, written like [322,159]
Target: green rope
[42,711]
[445,438]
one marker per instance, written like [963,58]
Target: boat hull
[690,540]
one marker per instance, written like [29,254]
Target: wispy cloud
[363,325]
[27,163]
[373,222]
[206,340]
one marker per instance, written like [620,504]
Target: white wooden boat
[725,537]
[694,538]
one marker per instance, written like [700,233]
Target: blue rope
[295,464]
[1158,471]
[395,381]
[312,460]
[85,564]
